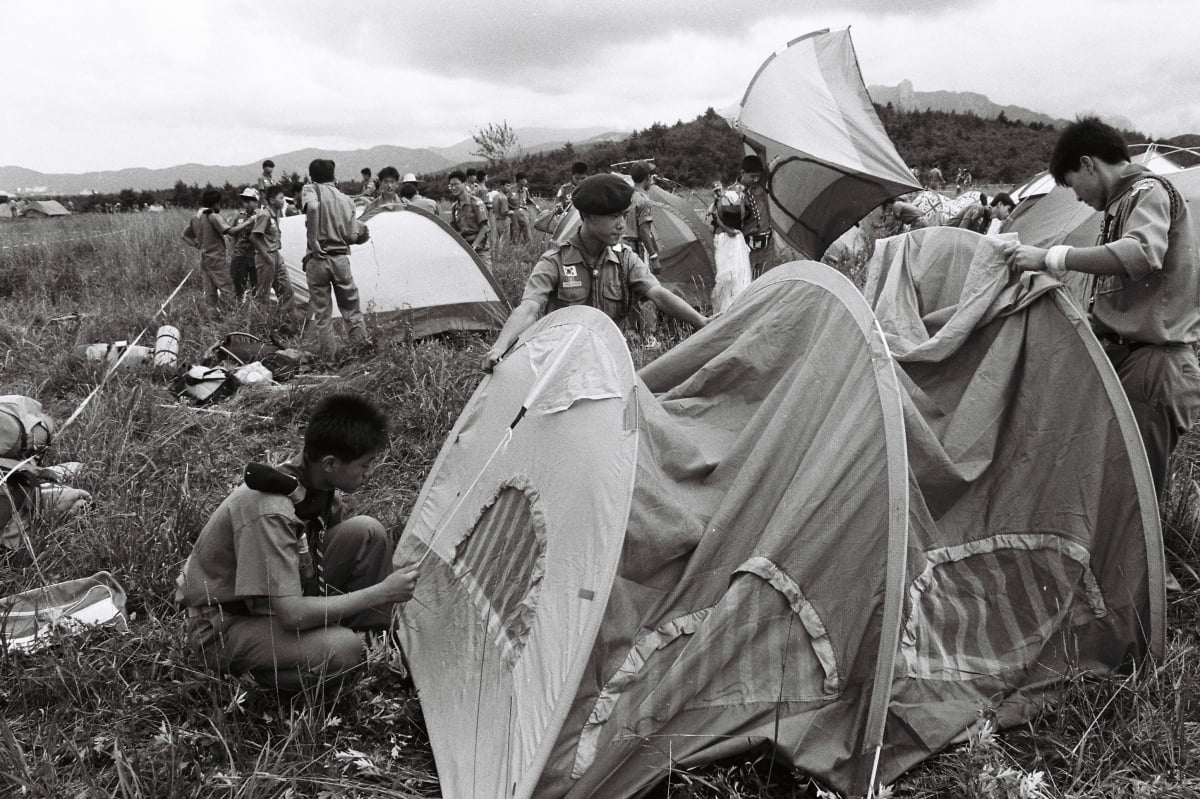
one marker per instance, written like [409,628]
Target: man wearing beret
[592,267]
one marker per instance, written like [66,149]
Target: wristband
[1056,259]
[654,257]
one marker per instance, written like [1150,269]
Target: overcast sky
[107,85]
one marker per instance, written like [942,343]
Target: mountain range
[903,97]
[406,159]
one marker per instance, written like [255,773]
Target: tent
[685,247]
[415,269]
[807,115]
[43,208]
[779,534]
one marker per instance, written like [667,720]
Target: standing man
[206,231]
[369,184]
[268,260]
[562,200]
[756,220]
[519,201]
[639,236]
[469,215]
[592,267]
[1146,303]
[498,205]
[331,228]
[266,180]
[241,260]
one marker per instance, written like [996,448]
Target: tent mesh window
[503,561]
[992,612]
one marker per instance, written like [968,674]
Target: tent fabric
[833,526]
[414,270]
[807,114]
[685,247]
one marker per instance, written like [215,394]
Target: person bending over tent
[981,217]
[591,267]
[1146,306]
[278,582]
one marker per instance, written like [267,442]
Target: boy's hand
[401,583]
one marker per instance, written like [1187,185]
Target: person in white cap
[241,261]
[410,194]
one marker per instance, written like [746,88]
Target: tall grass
[107,714]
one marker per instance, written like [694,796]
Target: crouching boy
[278,583]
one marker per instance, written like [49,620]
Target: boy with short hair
[278,581]
[207,231]
[266,180]
[268,260]
[332,227]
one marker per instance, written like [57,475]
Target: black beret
[602,194]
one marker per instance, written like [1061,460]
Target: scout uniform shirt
[335,216]
[1147,227]
[640,212]
[563,276]
[467,216]
[266,224]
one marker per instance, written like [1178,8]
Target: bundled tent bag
[25,429]
[28,619]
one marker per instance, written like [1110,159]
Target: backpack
[25,429]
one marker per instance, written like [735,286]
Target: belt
[1120,341]
[238,607]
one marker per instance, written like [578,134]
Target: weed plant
[110,714]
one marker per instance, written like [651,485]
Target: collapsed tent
[777,534]
[415,270]
[828,160]
[685,247]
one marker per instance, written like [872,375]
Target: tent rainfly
[833,526]
[414,270]
[807,115]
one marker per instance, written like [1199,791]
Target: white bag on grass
[28,619]
[732,256]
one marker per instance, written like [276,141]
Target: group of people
[331,227]
[279,580]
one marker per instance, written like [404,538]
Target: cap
[752,163]
[640,171]
[602,194]
[249,193]
[409,177]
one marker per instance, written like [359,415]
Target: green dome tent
[778,533]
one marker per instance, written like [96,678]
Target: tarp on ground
[685,246]
[778,533]
[415,270]
[807,115]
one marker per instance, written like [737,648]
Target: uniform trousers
[356,554]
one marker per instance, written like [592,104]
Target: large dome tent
[414,270]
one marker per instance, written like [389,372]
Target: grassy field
[106,714]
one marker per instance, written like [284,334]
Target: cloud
[152,84]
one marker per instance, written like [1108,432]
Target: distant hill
[406,159]
[904,98]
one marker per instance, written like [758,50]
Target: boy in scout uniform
[591,267]
[1146,304]
[279,580]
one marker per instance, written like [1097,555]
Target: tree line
[995,150]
